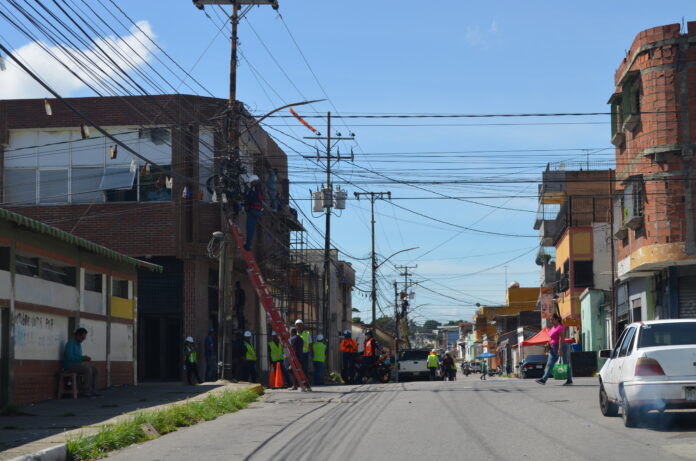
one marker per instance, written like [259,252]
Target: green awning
[43,228]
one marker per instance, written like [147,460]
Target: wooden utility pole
[373,196]
[404,304]
[327,198]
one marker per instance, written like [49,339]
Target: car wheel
[607,407]
[629,414]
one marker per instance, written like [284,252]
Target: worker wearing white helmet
[249,359]
[191,361]
[319,359]
[306,343]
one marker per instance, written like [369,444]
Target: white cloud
[16,84]
[475,36]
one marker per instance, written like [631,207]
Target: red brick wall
[664,212]
[121,373]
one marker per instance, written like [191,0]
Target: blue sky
[416,57]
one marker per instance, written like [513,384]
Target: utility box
[317,201]
[340,199]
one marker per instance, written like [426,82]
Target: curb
[59,452]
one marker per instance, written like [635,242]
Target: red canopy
[541,338]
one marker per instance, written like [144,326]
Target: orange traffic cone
[271,377]
[279,383]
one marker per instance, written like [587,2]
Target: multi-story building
[654,130]
[51,169]
[575,243]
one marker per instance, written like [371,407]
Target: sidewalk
[47,425]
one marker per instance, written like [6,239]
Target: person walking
[249,359]
[557,348]
[74,361]
[306,344]
[433,362]
[447,364]
[319,359]
[276,356]
[484,369]
[191,361]
[349,348]
[297,345]
[210,356]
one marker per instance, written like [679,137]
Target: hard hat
[249,178]
[434,351]
[298,321]
[247,334]
[320,337]
[368,332]
[347,333]
[273,333]
[189,339]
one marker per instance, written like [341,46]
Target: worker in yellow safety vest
[249,359]
[306,342]
[276,355]
[319,358]
[433,362]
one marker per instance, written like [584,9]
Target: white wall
[39,336]
[35,290]
[601,260]
[4,285]
[121,342]
[93,302]
[95,344]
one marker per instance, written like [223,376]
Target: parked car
[533,366]
[475,366]
[413,364]
[652,367]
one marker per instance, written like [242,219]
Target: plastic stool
[63,377]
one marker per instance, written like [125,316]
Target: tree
[431,324]
[357,320]
[454,322]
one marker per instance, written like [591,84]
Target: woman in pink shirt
[557,345]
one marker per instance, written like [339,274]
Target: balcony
[550,230]
[553,187]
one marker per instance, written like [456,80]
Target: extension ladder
[266,298]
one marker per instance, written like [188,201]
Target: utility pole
[404,304]
[373,196]
[327,199]
[396,331]
[229,166]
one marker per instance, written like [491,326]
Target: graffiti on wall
[39,336]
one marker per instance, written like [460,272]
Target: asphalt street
[496,419]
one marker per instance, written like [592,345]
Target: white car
[652,367]
[413,363]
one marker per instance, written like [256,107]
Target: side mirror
[605,353]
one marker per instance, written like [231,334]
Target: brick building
[50,171]
[654,128]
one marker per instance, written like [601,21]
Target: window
[93,282]
[616,116]
[53,186]
[667,334]
[4,258]
[635,310]
[627,343]
[25,265]
[615,352]
[153,185]
[20,186]
[584,274]
[119,288]
[631,101]
[59,274]
[85,182]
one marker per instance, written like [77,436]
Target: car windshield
[667,334]
[414,355]
[536,358]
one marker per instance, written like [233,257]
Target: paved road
[497,419]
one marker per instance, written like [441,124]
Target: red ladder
[266,298]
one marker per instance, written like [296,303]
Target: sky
[408,57]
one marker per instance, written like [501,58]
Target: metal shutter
[687,297]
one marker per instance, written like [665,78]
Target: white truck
[413,364]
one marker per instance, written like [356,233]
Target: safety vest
[305,341]
[276,351]
[349,345]
[192,356]
[319,352]
[432,361]
[369,348]
[250,353]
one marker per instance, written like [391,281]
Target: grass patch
[115,436]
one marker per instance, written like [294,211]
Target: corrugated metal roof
[43,228]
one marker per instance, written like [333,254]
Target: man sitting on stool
[73,361]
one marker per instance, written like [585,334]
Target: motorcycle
[466,370]
[495,371]
[379,371]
